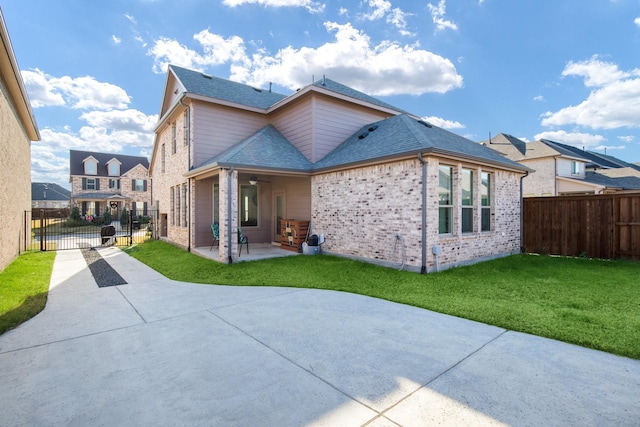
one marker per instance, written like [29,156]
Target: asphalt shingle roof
[267,148]
[346,90]
[402,134]
[214,87]
[623,182]
[76,167]
[48,191]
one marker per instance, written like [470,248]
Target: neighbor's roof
[629,182]
[48,191]
[199,83]
[266,149]
[76,167]
[509,145]
[403,135]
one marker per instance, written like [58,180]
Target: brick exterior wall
[15,178]
[362,211]
[541,182]
[168,176]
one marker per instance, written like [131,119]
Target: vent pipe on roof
[270,83]
[324,80]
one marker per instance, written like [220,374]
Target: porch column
[228,205]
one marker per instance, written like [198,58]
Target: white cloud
[614,101]
[627,138]
[311,6]
[217,50]
[577,139]
[379,9]
[343,11]
[637,21]
[79,93]
[116,39]
[437,15]
[130,18]
[121,120]
[384,69]
[538,98]
[443,123]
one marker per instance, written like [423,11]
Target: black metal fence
[60,229]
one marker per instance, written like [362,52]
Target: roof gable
[266,149]
[341,89]
[403,135]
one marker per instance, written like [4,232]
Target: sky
[564,70]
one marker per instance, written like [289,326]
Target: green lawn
[591,303]
[23,288]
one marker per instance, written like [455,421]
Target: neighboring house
[376,181]
[17,129]
[49,196]
[560,169]
[101,181]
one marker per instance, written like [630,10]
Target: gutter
[423,268]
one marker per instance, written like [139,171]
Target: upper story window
[114,184]
[173,138]
[575,168]
[186,128]
[139,185]
[445,199]
[90,166]
[113,166]
[162,159]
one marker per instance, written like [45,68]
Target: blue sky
[563,70]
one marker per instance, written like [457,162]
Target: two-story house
[560,169]
[17,129]
[101,181]
[367,175]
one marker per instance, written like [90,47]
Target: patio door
[278,214]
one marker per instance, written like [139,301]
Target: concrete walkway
[158,352]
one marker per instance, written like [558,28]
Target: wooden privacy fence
[600,226]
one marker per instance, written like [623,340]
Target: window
[172,203]
[114,184]
[485,192]
[91,184]
[114,167]
[248,205]
[186,127]
[575,168]
[90,166]
[467,201]
[184,205]
[162,158]
[173,138]
[139,185]
[445,199]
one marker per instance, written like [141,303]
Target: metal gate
[59,229]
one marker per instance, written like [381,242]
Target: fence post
[42,233]
[131,227]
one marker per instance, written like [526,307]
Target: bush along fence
[59,229]
[596,226]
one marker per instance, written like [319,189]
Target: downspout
[189,188]
[526,174]
[229,211]
[423,268]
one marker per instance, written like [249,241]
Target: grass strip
[23,288]
[592,303]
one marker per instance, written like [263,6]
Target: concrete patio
[256,251]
